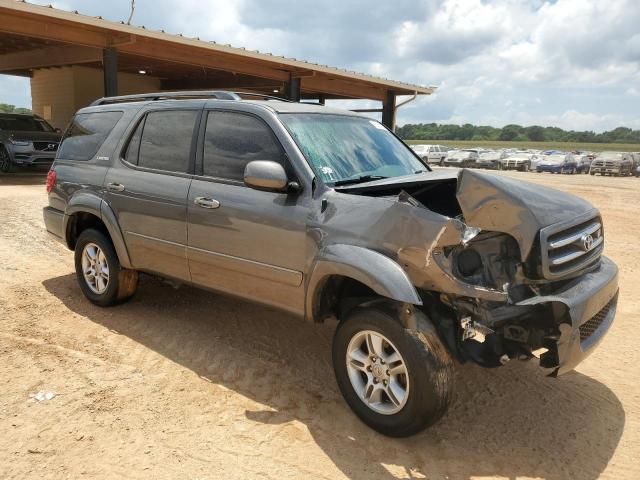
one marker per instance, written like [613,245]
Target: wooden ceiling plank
[48,57]
[51,30]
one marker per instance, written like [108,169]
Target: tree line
[6,108]
[513,133]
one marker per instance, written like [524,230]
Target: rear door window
[231,140]
[86,134]
[163,140]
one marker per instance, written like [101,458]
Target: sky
[573,64]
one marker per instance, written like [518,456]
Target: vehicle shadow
[32,177]
[507,422]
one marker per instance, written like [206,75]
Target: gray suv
[326,214]
[25,141]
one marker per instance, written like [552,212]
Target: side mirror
[266,175]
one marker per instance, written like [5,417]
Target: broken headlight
[490,259]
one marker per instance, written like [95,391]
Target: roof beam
[220,83]
[325,84]
[48,57]
[50,30]
[201,57]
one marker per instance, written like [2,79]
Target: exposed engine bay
[480,273]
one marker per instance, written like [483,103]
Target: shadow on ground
[507,422]
[27,177]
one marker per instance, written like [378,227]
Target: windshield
[611,155]
[489,155]
[340,147]
[419,148]
[554,159]
[23,123]
[519,157]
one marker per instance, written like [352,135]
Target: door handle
[115,187]
[206,202]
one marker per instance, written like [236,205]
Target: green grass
[565,146]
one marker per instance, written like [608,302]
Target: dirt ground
[180,383]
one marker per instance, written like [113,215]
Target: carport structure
[73,59]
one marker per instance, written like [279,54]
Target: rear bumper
[54,223]
[591,302]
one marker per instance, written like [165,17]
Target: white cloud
[571,63]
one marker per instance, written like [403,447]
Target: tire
[5,162]
[441,162]
[428,379]
[574,171]
[121,283]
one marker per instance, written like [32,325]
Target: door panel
[245,242]
[152,212]
[148,190]
[252,245]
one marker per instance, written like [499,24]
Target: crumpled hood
[515,207]
[488,201]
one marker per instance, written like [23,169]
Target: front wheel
[397,381]
[5,161]
[102,280]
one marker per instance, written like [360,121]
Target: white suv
[431,153]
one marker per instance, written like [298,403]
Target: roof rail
[182,95]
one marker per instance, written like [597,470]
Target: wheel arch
[88,210]
[348,272]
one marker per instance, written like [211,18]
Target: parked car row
[551,161]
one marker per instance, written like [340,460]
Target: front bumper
[604,169]
[488,165]
[591,301]
[29,156]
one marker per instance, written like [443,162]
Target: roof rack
[183,95]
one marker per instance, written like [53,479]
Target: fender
[88,202]
[373,269]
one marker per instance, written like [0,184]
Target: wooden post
[389,110]
[110,68]
[293,88]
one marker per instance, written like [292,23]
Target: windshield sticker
[327,170]
[379,126]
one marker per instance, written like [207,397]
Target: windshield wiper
[360,179]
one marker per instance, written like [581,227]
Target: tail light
[51,180]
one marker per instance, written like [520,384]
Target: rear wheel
[397,381]
[102,280]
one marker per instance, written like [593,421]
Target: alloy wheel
[95,268]
[377,372]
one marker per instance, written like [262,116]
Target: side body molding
[377,271]
[87,202]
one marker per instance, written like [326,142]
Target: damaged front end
[500,265]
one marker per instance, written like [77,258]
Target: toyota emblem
[587,242]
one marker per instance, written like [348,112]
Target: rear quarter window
[86,134]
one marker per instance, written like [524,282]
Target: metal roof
[128,39]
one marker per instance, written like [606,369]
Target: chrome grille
[46,146]
[568,248]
